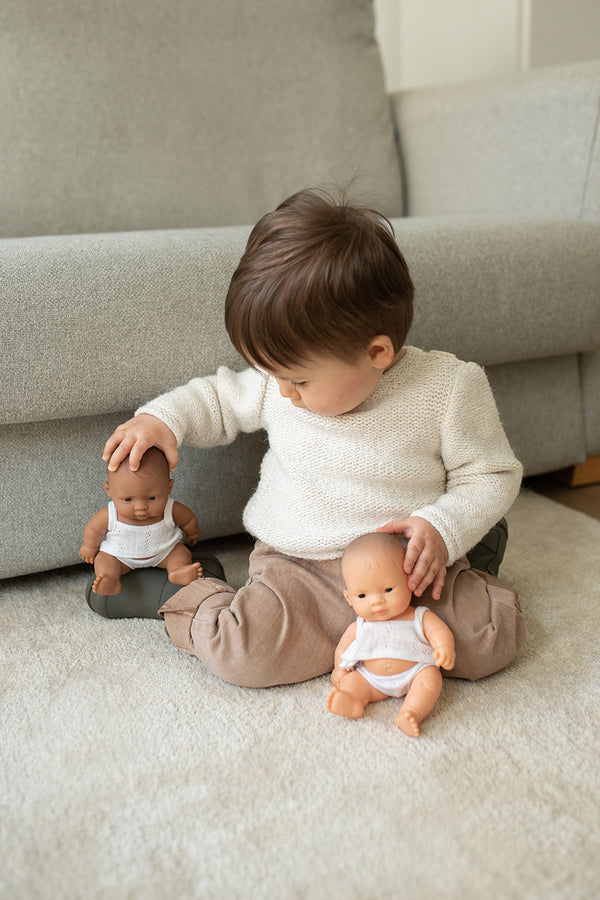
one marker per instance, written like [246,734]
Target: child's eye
[297,384]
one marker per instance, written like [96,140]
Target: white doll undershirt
[141,546]
[427,442]
[392,639]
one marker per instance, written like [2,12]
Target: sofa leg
[587,472]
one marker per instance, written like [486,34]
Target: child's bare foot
[186,574]
[407,721]
[107,585]
[344,704]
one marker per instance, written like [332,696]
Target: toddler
[364,433]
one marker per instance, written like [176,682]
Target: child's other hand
[134,437]
[426,554]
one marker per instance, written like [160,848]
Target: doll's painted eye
[151,498]
[389,590]
[361,596]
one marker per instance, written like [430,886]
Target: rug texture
[128,771]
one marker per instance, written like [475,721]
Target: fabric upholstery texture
[148,306]
[145,114]
[526,145]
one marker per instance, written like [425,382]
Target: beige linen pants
[283,626]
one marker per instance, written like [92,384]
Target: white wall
[436,41]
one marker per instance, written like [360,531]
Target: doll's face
[377,589]
[139,497]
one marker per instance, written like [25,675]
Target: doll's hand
[193,538]
[444,657]
[426,554]
[88,554]
[134,437]
[337,676]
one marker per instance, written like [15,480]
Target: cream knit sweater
[427,442]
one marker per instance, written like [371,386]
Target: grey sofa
[141,140]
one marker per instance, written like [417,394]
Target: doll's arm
[187,521]
[441,639]
[93,533]
[344,642]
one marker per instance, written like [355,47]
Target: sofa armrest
[528,144]
[99,323]
[503,290]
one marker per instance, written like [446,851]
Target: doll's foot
[107,585]
[186,574]
[344,704]
[407,721]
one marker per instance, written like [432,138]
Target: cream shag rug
[128,771]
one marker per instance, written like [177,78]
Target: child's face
[139,497]
[328,386]
[377,592]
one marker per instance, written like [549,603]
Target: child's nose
[287,390]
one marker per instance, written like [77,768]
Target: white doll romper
[141,546]
[390,640]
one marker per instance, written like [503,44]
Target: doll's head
[377,585]
[140,497]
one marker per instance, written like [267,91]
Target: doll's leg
[282,627]
[351,696]
[108,571]
[424,690]
[485,618]
[179,566]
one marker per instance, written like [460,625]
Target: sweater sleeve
[483,476]
[211,411]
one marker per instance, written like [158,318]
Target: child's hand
[426,554]
[134,437]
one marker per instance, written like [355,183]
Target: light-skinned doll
[141,527]
[393,649]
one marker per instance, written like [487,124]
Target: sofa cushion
[152,114]
[120,318]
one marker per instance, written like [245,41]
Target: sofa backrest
[524,145]
[140,114]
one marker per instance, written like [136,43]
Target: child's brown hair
[319,277]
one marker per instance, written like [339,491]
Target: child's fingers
[427,572]
[123,450]
[438,583]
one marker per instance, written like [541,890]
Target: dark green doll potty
[144,591]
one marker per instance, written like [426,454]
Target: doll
[141,527]
[393,649]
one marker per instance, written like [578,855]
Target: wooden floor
[585,498]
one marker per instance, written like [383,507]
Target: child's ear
[381,351]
